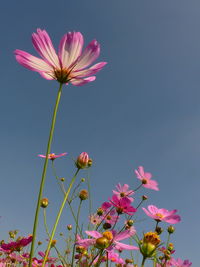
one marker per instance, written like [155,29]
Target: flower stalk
[44,173]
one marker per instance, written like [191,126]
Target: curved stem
[58,218]
[77,219]
[44,173]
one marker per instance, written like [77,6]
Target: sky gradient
[143,108]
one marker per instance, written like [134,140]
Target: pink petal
[94,234]
[42,156]
[31,62]
[125,234]
[172,219]
[70,48]
[148,175]
[45,48]
[79,82]
[89,55]
[153,209]
[141,170]
[122,246]
[87,72]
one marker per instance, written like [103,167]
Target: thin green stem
[58,217]
[76,231]
[143,261]
[44,174]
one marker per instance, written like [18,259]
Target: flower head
[70,64]
[162,214]
[52,156]
[145,177]
[17,245]
[123,191]
[181,263]
[122,205]
[83,161]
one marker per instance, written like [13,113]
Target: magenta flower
[17,245]
[162,214]
[70,64]
[122,205]
[123,191]
[53,156]
[145,177]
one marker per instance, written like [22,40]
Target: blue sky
[143,109]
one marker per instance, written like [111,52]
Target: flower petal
[87,72]
[79,82]
[94,234]
[89,55]
[122,246]
[45,48]
[70,48]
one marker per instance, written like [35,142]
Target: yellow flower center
[152,237]
[108,235]
[159,215]
[144,180]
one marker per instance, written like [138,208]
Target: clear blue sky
[143,109]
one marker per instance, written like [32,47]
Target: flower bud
[128,261]
[53,243]
[82,180]
[11,234]
[62,179]
[144,197]
[102,242]
[170,229]
[170,247]
[83,195]
[130,222]
[39,243]
[44,202]
[150,242]
[83,161]
[69,227]
[159,230]
[107,226]
[100,211]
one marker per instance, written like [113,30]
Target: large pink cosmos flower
[114,239]
[70,64]
[52,156]
[123,191]
[162,214]
[122,205]
[145,177]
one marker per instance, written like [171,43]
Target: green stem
[44,174]
[58,217]
[143,261]
[76,231]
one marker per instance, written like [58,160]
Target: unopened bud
[159,230]
[83,195]
[62,179]
[144,197]
[82,180]
[11,234]
[44,202]
[83,161]
[130,222]
[53,243]
[170,229]
[128,261]
[39,243]
[107,226]
[100,211]
[102,242]
[69,227]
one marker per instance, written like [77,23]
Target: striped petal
[91,71]
[70,48]
[79,82]
[31,62]
[45,48]
[89,55]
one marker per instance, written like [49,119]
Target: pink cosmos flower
[162,214]
[145,177]
[181,263]
[52,156]
[123,191]
[122,205]
[13,246]
[95,219]
[70,64]
[114,239]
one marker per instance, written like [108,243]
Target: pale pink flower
[110,217]
[122,205]
[114,242]
[145,177]
[70,64]
[95,219]
[52,156]
[181,263]
[162,214]
[123,191]
[83,161]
